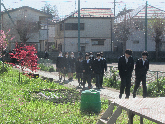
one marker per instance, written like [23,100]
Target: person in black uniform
[91,57]
[59,65]
[141,68]
[125,67]
[98,65]
[87,71]
[79,69]
[46,55]
[104,68]
[72,66]
[65,64]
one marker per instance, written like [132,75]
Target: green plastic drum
[90,101]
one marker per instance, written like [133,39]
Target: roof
[140,13]
[24,7]
[94,12]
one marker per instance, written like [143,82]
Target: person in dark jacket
[79,69]
[87,71]
[46,55]
[91,57]
[125,67]
[59,65]
[65,64]
[104,68]
[98,65]
[72,66]
[141,68]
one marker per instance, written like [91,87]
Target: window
[98,41]
[136,42]
[73,26]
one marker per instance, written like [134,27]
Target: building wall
[21,14]
[94,28]
[136,41]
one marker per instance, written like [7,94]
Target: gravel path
[105,92]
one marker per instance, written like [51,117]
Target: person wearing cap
[141,68]
[98,64]
[87,71]
[104,68]
[125,67]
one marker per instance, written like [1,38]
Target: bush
[156,89]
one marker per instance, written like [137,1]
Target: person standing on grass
[65,64]
[125,67]
[87,71]
[79,69]
[98,64]
[59,65]
[104,68]
[72,64]
[141,68]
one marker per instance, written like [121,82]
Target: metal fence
[150,77]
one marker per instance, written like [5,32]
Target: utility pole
[114,7]
[0,15]
[146,28]
[78,26]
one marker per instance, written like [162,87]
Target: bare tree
[26,28]
[157,26]
[122,31]
[50,10]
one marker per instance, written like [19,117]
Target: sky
[65,7]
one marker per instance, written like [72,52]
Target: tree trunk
[157,51]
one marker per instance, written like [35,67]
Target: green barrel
[90,101]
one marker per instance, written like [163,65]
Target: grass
[18,103]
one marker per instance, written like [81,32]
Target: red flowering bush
[26,55]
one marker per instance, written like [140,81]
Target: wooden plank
[130,117]
[141,120]
[115,115]
[150,108]
[108,112]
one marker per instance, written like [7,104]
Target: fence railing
[150,77]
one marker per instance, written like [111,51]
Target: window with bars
[98,41]
[73,26]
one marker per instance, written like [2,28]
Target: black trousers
[80,77]
[101,82]
[125,84]
[87,77]
[98,79]
[137,83]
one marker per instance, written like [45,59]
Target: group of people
[89,67]
[126,66]
[86,68]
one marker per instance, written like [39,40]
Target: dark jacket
[79,66]
[65,62]
[59,63]
[98,66]
[141,69]
[87,67]
[125,69]
[72,62]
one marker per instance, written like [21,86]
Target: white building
[96,25]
